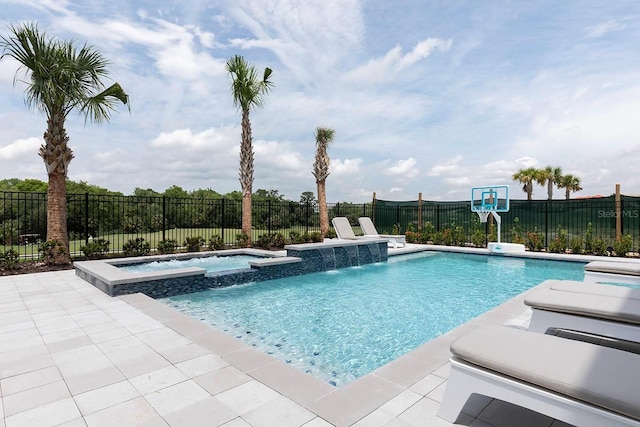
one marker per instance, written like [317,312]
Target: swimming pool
[342,324]
[209,263]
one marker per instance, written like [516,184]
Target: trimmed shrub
[193,243]
[535,240]
[53,252]
[588,239]
[516,230]
[167,246]
[576,245]
[242,240]
[559,244]
[216,243]
[623,245]
[479,238]
[136,247]
[599,246]
[9,260]
[96,248]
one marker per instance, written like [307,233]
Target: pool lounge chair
[612,272]
[369,230]
[576,382]
[343,229]
[606,310]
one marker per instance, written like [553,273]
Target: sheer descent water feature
[300,259]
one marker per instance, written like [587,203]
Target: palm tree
[569,183]
[248,93]
[324,137]
[526,178]
[549,175]
[61,78]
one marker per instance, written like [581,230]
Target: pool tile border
[296,260]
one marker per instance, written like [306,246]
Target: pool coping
[346,405]
[303,258]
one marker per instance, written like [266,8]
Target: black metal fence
[548,217]
[119,219]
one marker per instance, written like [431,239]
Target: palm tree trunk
[246,174]
[57,208]
[322,204]
[568,193]
[57,155]
[550,189]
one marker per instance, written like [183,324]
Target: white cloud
[20,149]
[403,168]
[207,140]
[346,166]
[447,167]
[387,67]
[605,27]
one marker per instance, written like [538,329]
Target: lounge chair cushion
[609,302]
[600,376]
[595,289]
[626,268]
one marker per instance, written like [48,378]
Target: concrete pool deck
[71,355]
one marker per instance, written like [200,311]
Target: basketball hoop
[484,215]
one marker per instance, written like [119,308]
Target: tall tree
[550,176]
[569,183]
[526,177]
[60,78]
[248,92]
[324,137]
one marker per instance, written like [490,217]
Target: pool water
[342,324]
[210,263]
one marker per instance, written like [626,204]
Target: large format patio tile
[280,412]
[51,414]
[222,379]
[29,380]
[247,397]
[176,397]
[35,397]
[158,379]
[104,397]
[135,412]
[204,413]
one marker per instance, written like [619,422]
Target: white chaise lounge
[606,310]
[612,272]
[343,229]
[369,230]
[576,382]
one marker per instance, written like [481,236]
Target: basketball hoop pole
[498,221]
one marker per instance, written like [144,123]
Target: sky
[424,96]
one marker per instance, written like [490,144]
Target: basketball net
[484,215]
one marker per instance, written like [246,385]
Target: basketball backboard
[490,198]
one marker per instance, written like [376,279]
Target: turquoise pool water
[342,324]
[209,263]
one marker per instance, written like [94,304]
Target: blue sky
[429,97]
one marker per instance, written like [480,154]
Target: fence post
[419,211]
[86,218]
[222,221]
[269,221]
[438,217]
[618,213]
[307,219]
[164,216]
[373,208]
[546,224]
